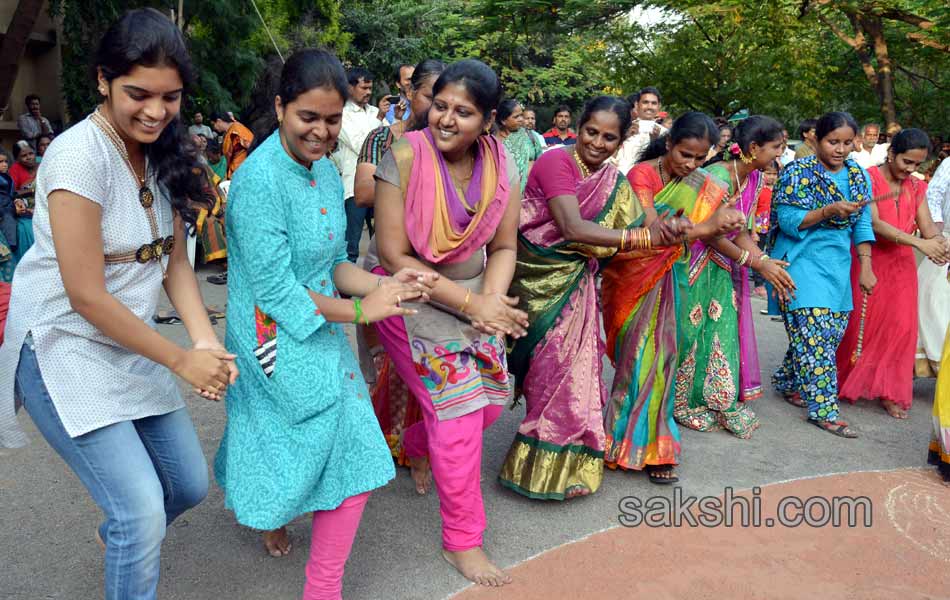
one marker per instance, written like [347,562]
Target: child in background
[762,211]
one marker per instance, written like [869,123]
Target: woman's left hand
[420,280]
[232,368]
[867,280]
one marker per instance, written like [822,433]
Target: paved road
[47,548]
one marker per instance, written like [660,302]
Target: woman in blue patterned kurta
[301,435]
[818,213]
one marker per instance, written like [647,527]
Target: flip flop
[214,313]
[218,279]
[838,428]
[654,472]
[167,317]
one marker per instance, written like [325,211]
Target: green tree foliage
[879,59]
[227,41]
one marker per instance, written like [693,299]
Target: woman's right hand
[935,249]
[841,209]
[726,220]
[206,370]
[495,314]
[386,300]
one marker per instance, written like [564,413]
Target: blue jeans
[355,217]
[141,473]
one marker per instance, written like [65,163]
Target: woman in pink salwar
[447,199]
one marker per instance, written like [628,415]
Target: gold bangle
[649,240]
[468,296]
[863,255]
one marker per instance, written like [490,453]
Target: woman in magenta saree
[575,213]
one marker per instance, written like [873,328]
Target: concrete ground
[47,547]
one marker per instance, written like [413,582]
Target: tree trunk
[874,27]
[14,44]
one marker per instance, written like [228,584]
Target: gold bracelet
[468,296]
[649,241]
[863,255]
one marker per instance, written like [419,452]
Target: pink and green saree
[559,449]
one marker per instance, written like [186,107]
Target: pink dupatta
[442,226]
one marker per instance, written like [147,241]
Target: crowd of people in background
[502,264]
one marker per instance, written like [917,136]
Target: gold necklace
[585,170]
[659,170]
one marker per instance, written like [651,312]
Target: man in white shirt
[788,155]
[866,155]
[359,119]
[646,104]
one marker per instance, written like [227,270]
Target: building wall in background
[39,73]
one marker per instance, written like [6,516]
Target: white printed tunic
[91,379]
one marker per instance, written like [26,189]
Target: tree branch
[899,15]
[915,75]
[922,39]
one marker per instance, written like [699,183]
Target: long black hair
[305,70]
[614,104]
[145,37]
[427,69]
[910,139]
[833,120]
[757,128]
[478,79]
[690,126]
[506,108]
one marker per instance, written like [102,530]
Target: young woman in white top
[112,200]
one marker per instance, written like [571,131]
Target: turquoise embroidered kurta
[304,438]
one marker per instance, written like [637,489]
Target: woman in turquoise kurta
[301,435]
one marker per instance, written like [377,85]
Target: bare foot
[277,542]
[421,474]
[474,565]
[892,409]
[99,540]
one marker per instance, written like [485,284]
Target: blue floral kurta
[304,438]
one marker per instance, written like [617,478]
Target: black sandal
[218,279]
[662,474]
[167,318]
[838,428]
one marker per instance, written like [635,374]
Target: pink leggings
[454,448]
[330,543]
